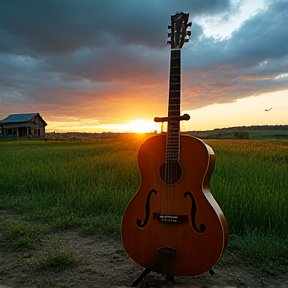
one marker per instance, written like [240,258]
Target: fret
[175,128]
[174,107]
[173,139]
[172,143]
[175,134]
[174,94]
[175,62]
[175,79]
[173,113]
[172,153]
[173,148]
[174,99]
[172,159]
[175,70]
[174,103]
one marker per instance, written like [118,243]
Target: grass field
[56,185]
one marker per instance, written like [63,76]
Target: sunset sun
[141,126]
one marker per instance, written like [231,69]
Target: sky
[97,66]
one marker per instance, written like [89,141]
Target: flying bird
[268,109]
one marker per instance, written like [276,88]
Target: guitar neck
[173,129]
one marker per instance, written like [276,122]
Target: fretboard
[173,129]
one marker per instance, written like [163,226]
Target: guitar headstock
[179,34]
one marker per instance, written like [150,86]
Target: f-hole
[170,172]
[147,210]
[202,227]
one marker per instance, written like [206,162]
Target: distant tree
[241,135]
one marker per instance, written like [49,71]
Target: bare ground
[101,262]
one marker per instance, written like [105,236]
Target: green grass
[56,185]
[250,182]
[264,250]
[55,260]
[22,234]
[66,183]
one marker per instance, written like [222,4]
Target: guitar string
[169,204]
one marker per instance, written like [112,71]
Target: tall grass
[67,182]
[251,184]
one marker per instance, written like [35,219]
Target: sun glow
[134,126]
[141,126]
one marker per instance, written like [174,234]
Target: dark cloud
[44,27]
[78,54]
[244,64]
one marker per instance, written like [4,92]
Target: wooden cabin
[29,125]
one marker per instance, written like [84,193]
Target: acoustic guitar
[173,225]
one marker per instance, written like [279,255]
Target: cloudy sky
[94,65]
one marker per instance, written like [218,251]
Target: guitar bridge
[173,219]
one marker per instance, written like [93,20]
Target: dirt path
[101,262]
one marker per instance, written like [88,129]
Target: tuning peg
[189,24]
[169,42]
[169,27]
[188,33]
[187,38]
[169,34]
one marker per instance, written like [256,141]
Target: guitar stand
[146,271]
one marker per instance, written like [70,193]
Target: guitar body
[175,227]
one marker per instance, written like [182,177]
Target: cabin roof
[20,118]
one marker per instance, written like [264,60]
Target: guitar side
[193,226]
